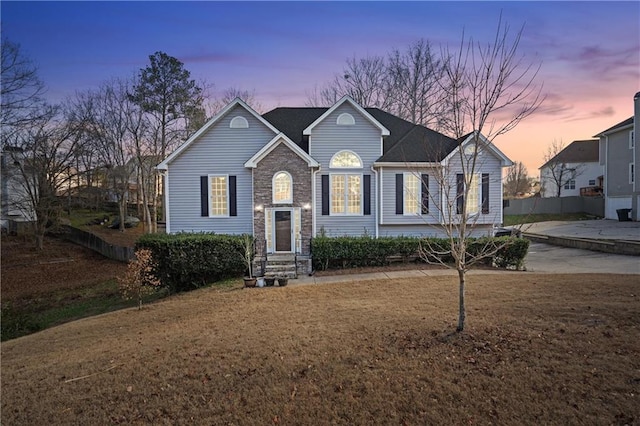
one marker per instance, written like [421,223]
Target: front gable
[343,119]
[484,146]
[233,121]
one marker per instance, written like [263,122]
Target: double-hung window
[346,193]
[412,194]
[218,196]
[346,188]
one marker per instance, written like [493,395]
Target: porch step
[280,266]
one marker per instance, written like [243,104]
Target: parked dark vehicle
[507,232]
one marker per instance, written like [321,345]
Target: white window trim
[273,188]
[238,122]
[346,194]
[346,168]
[226,177]
[345,119]
[418,197]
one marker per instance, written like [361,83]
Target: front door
[283,230]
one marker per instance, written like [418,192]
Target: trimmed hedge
[349,252]
[185,262]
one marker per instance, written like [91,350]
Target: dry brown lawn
[538,349]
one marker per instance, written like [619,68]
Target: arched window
[282,188]
[239,123]
[346,119]
[345,160]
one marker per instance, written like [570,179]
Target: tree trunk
[462,312]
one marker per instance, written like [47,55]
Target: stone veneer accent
[283,159]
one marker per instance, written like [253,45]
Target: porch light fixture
[306,206]
[259,208]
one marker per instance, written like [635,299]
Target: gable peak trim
[280,138]
[354,104]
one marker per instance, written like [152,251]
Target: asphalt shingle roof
[406,141]
[624,123]
[586,151]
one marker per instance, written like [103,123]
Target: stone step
[288,274]
[275,268]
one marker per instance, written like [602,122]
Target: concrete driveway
[554,259]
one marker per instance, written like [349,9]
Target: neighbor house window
[345,160]
[570,184]
[632,136]
[282,188]
[239,123]
[632,173]
[592,182]
[346,194]
[218,196]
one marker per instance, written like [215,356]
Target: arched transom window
[345,160]
[282,188]
[239,122]
[346,119]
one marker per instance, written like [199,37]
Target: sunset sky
[589,51]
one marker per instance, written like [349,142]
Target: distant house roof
[619,126]
[406,142]
[586,151]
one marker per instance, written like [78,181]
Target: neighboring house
[575,168]
[619,156]
[15,203]
[294,173]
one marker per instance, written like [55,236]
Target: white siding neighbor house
[295,173]
[574,168]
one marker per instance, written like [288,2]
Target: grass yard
[538,349]
[511,220]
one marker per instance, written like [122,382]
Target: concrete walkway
[542,258]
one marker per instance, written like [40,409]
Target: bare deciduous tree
[43,160]
[556,172]
[21,91]
[489,90]
[517,180]
[415,78]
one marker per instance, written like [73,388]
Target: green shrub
[349,252]
[185,262]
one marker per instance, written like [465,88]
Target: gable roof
[273,143]
[621,125]
[346,99]
[585,151]
[237,101]
[483,142]
[293,121]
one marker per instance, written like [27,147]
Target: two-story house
[574,168]
[295,173]
[619,157]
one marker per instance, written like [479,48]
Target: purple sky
[590,51]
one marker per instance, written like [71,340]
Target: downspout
[313,200]
[167,217]
[377,213]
